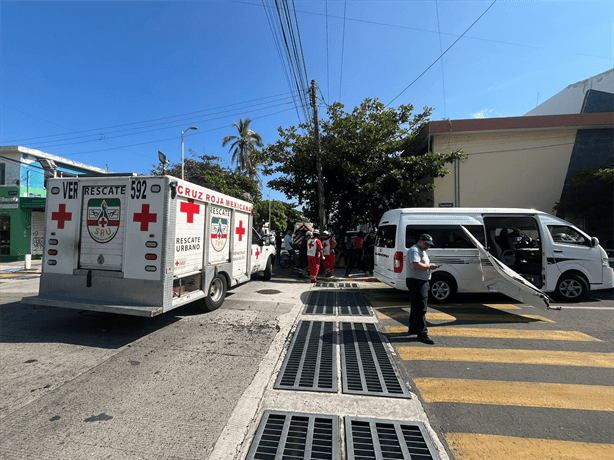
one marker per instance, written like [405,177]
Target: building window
[2,173]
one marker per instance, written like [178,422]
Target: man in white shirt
[417,281]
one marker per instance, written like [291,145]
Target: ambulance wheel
[268,271]
[215,294]
[571,287]
[442,287]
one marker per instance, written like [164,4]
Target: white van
[519,244]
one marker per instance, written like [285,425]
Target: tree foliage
[243,148]
[283,215]
[367,165]
[205,171]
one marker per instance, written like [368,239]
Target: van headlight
[605,262]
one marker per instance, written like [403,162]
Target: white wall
[520,169]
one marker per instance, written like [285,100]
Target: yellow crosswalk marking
[486,446]
[527,394]
[401,314]
[556,358]
[499,333]
[502,306]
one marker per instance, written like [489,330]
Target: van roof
[465,211]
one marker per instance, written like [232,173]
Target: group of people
[360,253]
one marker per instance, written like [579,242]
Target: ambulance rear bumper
[89,305]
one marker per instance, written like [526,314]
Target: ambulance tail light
[151,256]
[52,252]
[398,262]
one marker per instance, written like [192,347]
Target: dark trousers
[419,292]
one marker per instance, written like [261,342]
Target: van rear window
[445,236]
[386,236]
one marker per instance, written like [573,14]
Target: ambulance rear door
[103,223]
[240,251]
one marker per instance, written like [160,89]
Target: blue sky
[111,83]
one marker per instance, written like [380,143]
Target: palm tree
[243,146]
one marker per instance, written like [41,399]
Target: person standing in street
[328,244]
[288,246]
[417,281]
[359,252]
[370,253]
[314,252]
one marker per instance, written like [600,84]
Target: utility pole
[314,105]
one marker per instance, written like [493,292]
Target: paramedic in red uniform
[328,245]
[314,252]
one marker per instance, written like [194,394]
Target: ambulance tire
[268,271]
[215,294]
[442,288]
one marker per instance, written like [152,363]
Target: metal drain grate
[348,285]
[311,361]
[325,284]
[366,365]
[287,436]
[321,303]
[353,303]
[387,440]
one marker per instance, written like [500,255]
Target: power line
[156,127]
[286,34]
[98,130]
[450,47]
[170,138]
[397,26]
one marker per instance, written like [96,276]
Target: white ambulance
[143,245]
[519,252]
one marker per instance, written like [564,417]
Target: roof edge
[580,120]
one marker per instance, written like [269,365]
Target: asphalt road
[505,380]
[502,381]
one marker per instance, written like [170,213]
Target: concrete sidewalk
[19,266]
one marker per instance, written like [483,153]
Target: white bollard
[28,262]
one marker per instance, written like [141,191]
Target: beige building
[516,162]
[523,162]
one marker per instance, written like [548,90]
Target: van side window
[567,235]
[445,236]
[386,236]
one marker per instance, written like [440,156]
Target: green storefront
[22,221]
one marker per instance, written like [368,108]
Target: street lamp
[182,168]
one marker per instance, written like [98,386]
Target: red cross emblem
[103,222]
[61,216]
[310,244]
[144,217]
[257,252]
[190,209]
[240,230]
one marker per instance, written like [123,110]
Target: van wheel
[442,288]
[571,287]
[215,294]
[268,271]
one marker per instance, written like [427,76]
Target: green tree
[205,171]
[243,148]
[283,215]
[367,164]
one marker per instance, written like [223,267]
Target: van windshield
[445,236]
